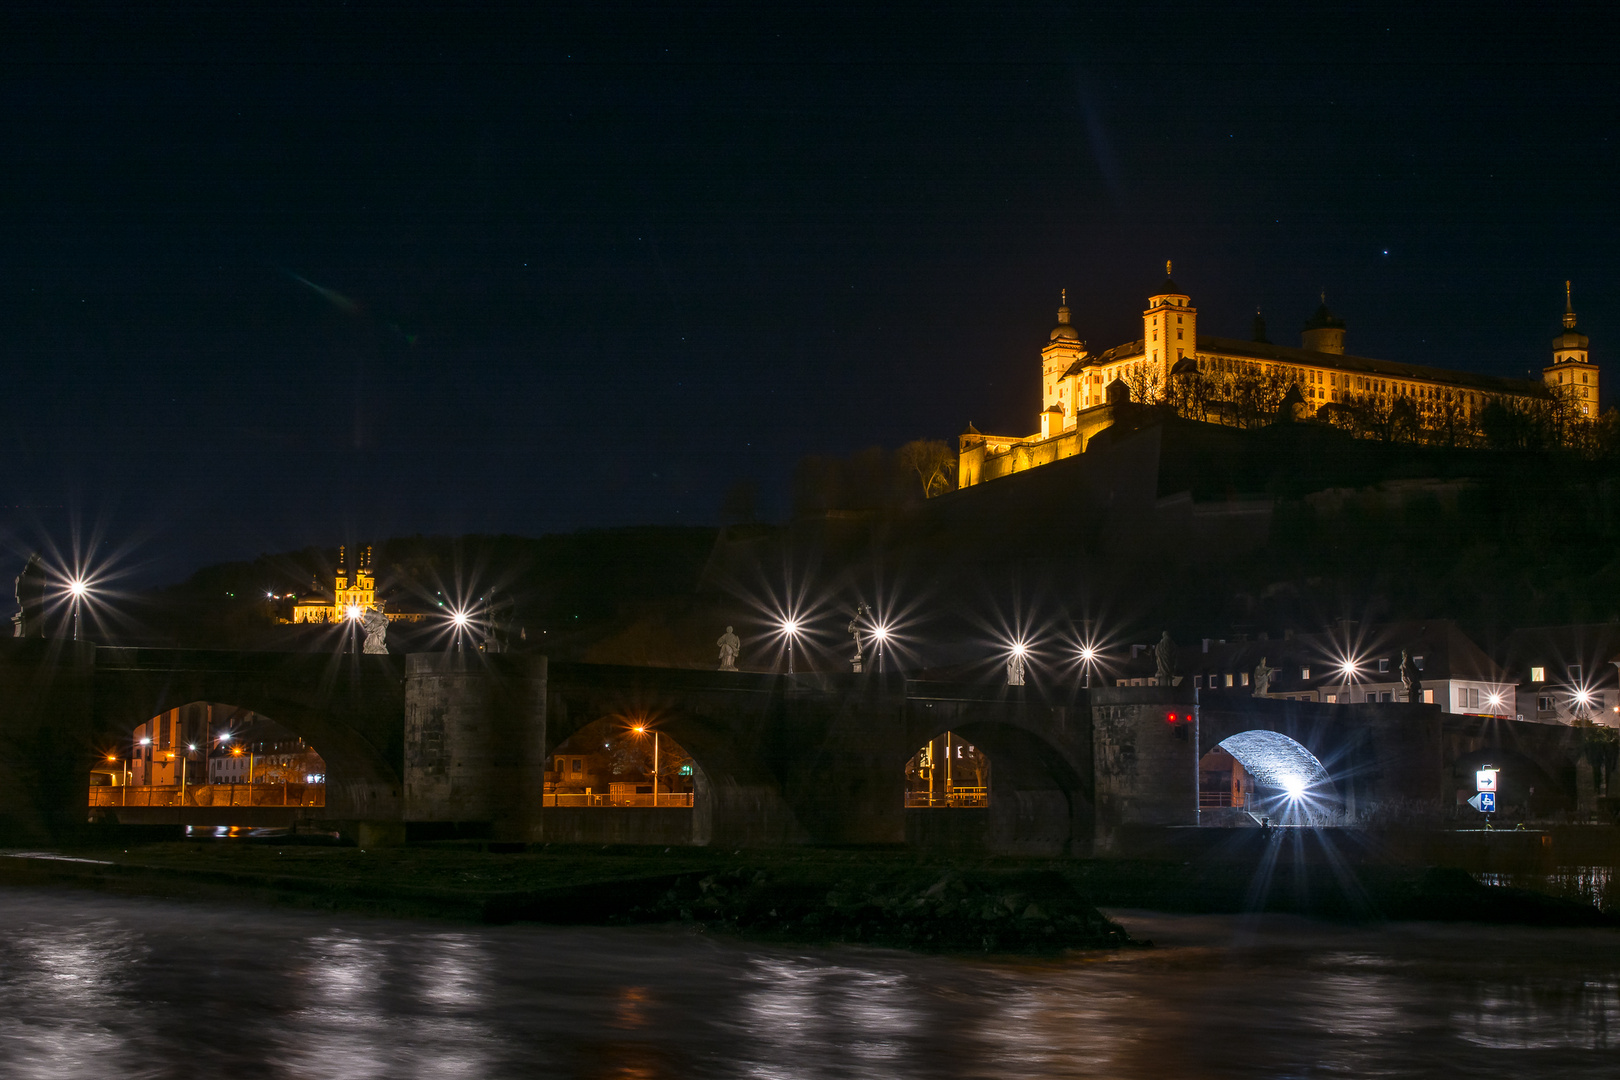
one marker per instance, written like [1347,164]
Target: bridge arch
[1290,786]
[736,797]
[348,711]
[1040,797]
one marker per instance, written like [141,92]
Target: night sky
[326,275]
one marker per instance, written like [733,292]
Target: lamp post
[641,729]
[790,628]
[76,588]
[1088,656]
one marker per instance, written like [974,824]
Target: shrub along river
[110,986]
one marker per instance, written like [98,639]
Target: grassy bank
[883,897]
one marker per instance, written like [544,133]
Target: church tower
[365,579]
[1169,328]
[1061,352]
[1572,371]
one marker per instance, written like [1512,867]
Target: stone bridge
[443,740]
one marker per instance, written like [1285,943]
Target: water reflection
[798,1010]
[80,969]
[103,986]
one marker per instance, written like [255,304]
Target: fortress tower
[1169,328]
[1324,331]
[1572,371]
[1058,356]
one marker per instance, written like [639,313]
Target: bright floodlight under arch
[1277,761]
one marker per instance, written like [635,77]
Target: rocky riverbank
[891,898]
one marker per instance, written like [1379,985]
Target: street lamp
[1015,664]
[77,588]
[790,629]
[1088,657]
[641,729]
[459,621]
[880,634]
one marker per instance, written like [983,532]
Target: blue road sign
[1487,802]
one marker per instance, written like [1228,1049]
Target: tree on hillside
[933,462]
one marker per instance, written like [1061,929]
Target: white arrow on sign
[1474,802]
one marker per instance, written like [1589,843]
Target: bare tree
[1144,382]
[932,461]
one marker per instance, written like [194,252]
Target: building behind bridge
[1550,675]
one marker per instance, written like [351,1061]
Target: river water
[104,986]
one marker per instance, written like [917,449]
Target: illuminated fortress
[1247,383]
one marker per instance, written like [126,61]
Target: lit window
[1538,674]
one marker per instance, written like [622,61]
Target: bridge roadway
[812,758]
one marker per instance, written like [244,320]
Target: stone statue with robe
[730,645]
[375,624]
[1262,678]
[30,618]
[1015,669]
[856,625]
[1165,653]
[1409,678]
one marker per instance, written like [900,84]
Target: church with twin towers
[1232,381]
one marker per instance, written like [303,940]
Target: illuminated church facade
[1080,390]
[351,596]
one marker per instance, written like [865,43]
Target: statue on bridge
[1262,678]
[499,617]
[375,624]
[1015,668]
[30,618]
[855,626]
[1409,678]
[730,645]
[1165,653]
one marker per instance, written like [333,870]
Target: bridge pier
[1145,741]
[475,742]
